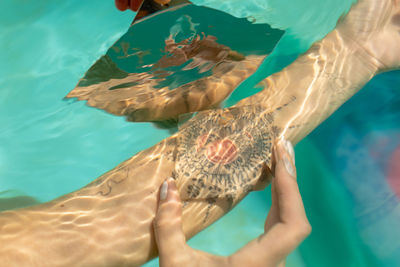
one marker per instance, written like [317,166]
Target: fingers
[273,213]
[283,184]
[170,238]
[171,242]
[290,204]
[287,225]
[293,224]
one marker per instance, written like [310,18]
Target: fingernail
[289,149]
[164,190]
[288,165]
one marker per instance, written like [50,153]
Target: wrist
[362,51]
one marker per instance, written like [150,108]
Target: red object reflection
[128,4]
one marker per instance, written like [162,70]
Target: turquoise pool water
[49,147]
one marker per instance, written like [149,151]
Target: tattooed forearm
[221,153]
[103,185]
[107,186]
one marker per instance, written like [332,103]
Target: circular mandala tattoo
[221,152]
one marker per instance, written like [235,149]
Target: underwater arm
[216,158]
[365,43]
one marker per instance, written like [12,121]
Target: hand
[285,227]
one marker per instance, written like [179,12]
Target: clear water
[49,147]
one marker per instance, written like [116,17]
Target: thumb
[168,224]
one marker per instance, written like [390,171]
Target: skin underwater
[216,158]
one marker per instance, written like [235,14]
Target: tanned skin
[216,158]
